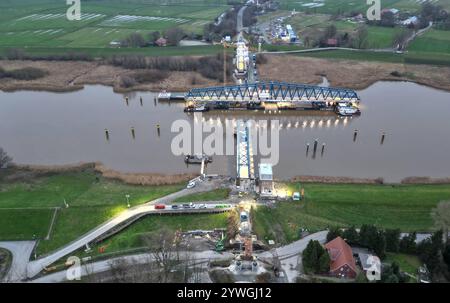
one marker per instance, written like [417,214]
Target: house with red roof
[342,263]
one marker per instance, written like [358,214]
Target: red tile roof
[340,254]
[332,42]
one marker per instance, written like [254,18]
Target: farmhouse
[342,262]
[161,42]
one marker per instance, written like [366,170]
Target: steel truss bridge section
[271,92]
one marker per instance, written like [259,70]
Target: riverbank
[66,76]
[350,73]
[69,76]
[20,171]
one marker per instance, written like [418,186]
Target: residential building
[371,265]
[342,264]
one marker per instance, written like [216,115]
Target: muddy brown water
[63,128]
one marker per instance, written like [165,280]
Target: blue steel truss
[276,90]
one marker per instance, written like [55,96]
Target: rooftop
[265,171]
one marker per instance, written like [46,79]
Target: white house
[371,265]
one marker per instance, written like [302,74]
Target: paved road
[290,255]
[105,265]
[21,251]
[34,267]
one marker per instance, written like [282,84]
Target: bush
[151,76]
[134,40]
[26,73]
[127,81]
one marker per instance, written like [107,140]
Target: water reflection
[49,128]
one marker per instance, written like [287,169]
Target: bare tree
[174,35]
[164,248]
[441,217]
[361,40]
[5,160]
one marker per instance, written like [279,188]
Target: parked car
[160,206]
[191,185]
[174,206]
[202,206]
[186,205]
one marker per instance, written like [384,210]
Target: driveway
[21,252]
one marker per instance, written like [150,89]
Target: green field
[25,205]
[340,6]
[43,23]
[432,42]
[213,195]
[401,206]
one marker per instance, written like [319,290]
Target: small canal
[64,128]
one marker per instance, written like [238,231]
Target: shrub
[127,81]
[151,76]
[26,73]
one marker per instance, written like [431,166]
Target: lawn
[213,195]
[381,37]
[133,236]
[433,41]
[407,263]
[400,206]
[25,205]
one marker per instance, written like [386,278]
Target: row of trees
[226,27]
[357,40]
[173,36]
[210,66]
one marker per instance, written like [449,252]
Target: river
[64,128]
